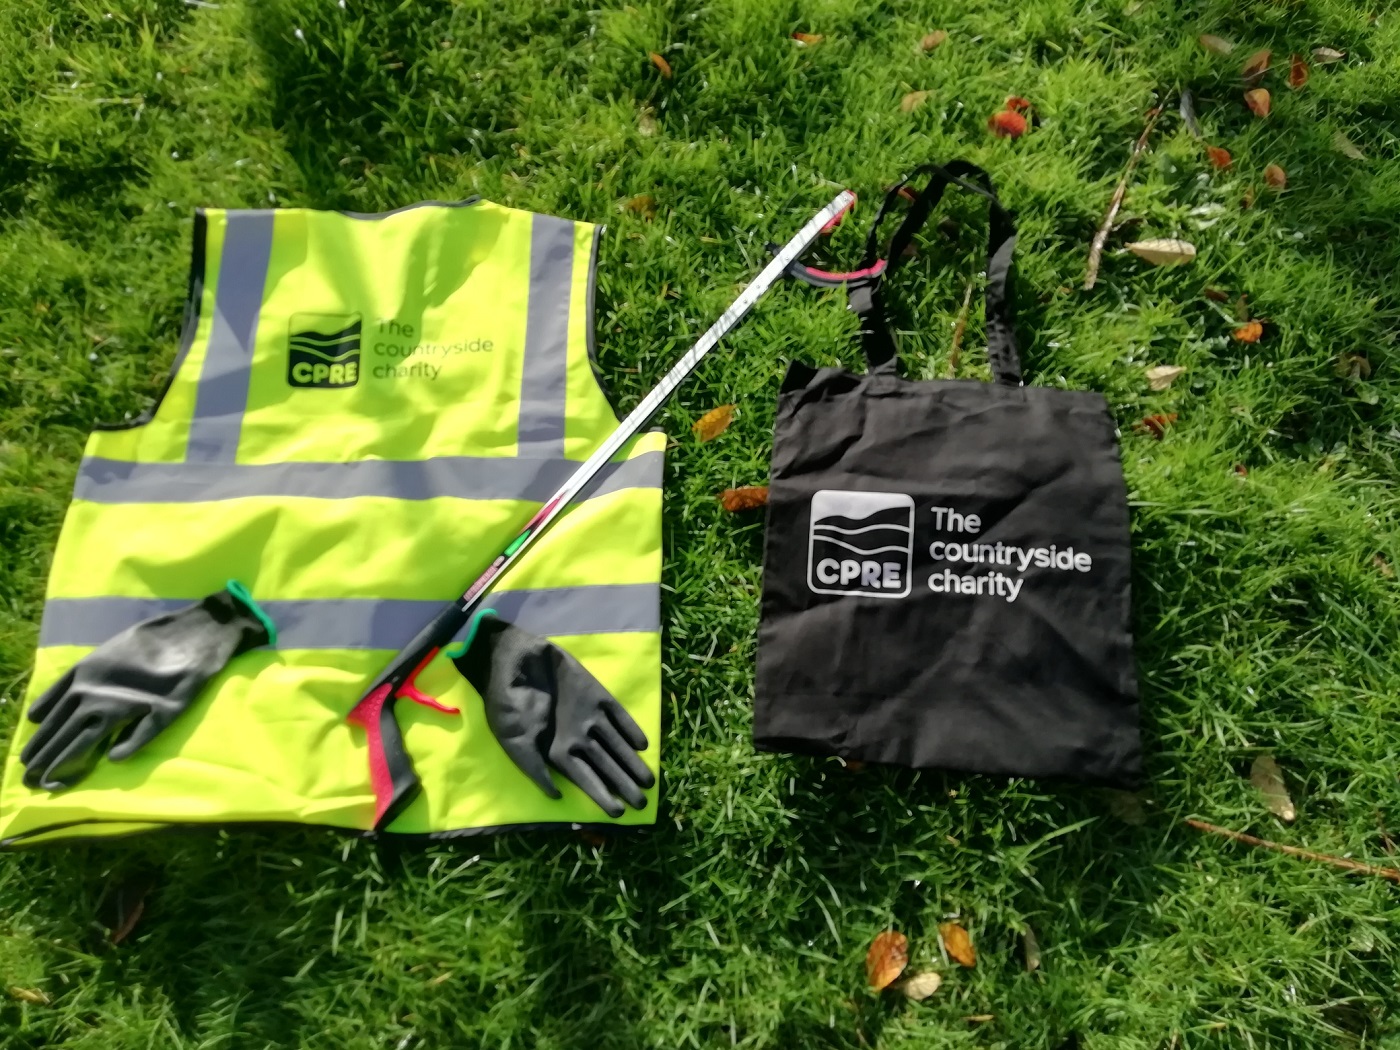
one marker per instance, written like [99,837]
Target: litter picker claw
[391,771]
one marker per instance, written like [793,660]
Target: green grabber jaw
[241,593]
[458,649]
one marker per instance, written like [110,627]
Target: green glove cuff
[241,593]
[458,649]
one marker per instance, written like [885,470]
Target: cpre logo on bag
[861,543]
[323,350]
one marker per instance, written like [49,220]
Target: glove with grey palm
[548,712]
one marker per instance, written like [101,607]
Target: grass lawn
[1265,519]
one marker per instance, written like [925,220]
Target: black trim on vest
[194,295]
[466,203]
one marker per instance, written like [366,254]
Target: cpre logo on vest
[323,350]
[861,543]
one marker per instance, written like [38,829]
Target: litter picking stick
[391,771]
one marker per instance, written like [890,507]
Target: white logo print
[861,543]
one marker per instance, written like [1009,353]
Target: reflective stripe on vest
[364,410]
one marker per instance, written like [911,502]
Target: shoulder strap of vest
[864,287]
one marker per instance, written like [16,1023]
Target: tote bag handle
[865,286]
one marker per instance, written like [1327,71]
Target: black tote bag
[946,562]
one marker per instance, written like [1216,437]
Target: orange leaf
[1298,72]
[1016,102]
[957,944]
[751,497]
[1219,158]
[913,101]
[1008,124]
[1275,177]
[886,959]
[713,423]
[663,67]
[1258,101]
[932,40]
[808,39]
[1249,333]
[1257,64]
[1155,424]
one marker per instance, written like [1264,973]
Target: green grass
[1263,620]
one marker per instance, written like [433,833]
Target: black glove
[125,692]
[548,711]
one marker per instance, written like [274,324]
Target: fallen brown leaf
[33,996]
[913,101]
[662,66]
[808,39]
[750,497]
[1017,103]
[1258,101]
[933,40]
[1030,947]
[1218,295]
[921,985]
[1383,567]
[1247,201]
[1220,158]
[1325,56]
[1267,778]
[643,204]
[1345,146]
[886,959]
[1164,251]
[1241,471]
[1256,65]
[713,423]
[1275,177]
[1159,377]
[1007,124]
[957,943]
[1216,45]
[1248,333]
[1297,72]
[124,904]
[1155,424]
[980,1018]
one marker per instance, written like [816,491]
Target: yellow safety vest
[364,411]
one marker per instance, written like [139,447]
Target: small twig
[955,354]
[1096,248]
[1393,874]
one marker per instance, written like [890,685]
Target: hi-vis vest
[364,411]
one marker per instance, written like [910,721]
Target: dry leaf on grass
[980,1018]
[1017,103]
[32,996]
[1007,124]
[913,101]
[1248,333]
[921,985]
[1155,424]
[1216,45]
[1217,295]
[1258,101]
[1030,947]
[1220,159]
[124,904]
[1275,177]
[808,39]
[1267,777]
[662,66]
[1383,567]
[713,423]
[1297,72]
[886,959]
[1159,377]
[957,943]
[750,497]
[646,122]
[1164,251]
[1256,65]
[643,204]
[1325,56]
[933,40]
[1345,146]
